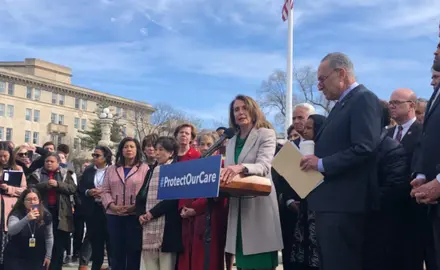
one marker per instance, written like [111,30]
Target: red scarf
[51,194]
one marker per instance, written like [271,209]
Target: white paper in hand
[287,164]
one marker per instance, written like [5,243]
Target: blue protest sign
[198,178]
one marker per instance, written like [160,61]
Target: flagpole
[289,72]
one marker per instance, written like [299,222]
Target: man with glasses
[409,250]
[345,152]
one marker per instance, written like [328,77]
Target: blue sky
[196,55]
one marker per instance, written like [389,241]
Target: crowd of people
[375,209]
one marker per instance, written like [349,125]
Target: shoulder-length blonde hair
[257,116]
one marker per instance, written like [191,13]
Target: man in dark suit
[410,249]
[346,152]
[426,185]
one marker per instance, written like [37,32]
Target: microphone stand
[208,232]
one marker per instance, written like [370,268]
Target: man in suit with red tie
[410,249]
[426,184]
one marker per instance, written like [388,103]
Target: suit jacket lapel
[120,172]
[338,106]
[391,132]
[408,134]
[431,106]
[250,141]
[230,151]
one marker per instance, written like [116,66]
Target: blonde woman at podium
[254,231]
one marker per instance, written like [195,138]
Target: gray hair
[213,136]
[306,106]
[421,100]
[339,60]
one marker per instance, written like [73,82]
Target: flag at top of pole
[287,14]
[287,4]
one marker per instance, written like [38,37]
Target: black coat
[172,236]
[393,172]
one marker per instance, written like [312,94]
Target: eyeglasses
[32,199]
[398,102]
[22,154]
[96,155]
[323,79]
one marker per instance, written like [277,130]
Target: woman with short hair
[161,233]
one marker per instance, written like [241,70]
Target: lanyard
[32,231]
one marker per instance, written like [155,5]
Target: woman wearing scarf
[56,187]
[161,223]
[304,248]
[8,194]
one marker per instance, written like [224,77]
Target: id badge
[6,176]
[32,242]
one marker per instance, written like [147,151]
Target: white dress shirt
[406,126]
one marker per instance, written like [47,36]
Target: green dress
[254,261]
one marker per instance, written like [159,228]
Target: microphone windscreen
[229,133]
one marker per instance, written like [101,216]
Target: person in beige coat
[254,230]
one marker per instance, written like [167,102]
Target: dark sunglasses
[96,155]
[22,154]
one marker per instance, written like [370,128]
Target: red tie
[399,133]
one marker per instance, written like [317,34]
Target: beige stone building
[38,103]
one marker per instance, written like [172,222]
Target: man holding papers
[345,154]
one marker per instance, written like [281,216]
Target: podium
[247,186]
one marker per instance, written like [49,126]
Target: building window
[27,136]
[29,92]
[2,87]
[2,133]
[9,134]
[28,115]
[11,89]
[76,144]
[36,138]
[61,119]
[10,111]
[77,103]
[61,99]
[37,94]
[84,105]
[124,114]
[54,98]
[36,116]
[83,124]
[60,139]
[2,109]
[76,122]
[118,111]
[53,118]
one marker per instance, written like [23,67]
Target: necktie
[399,133]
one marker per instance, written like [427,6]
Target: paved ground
[75,266]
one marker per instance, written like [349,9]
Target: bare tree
[272,93]
[306,80]
[163,121]
[222,122]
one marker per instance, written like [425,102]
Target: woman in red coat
[185,134]
[194,212]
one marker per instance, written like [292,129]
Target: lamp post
[106,121]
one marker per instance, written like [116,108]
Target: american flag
[285,12]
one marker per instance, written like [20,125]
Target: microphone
[229,133]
